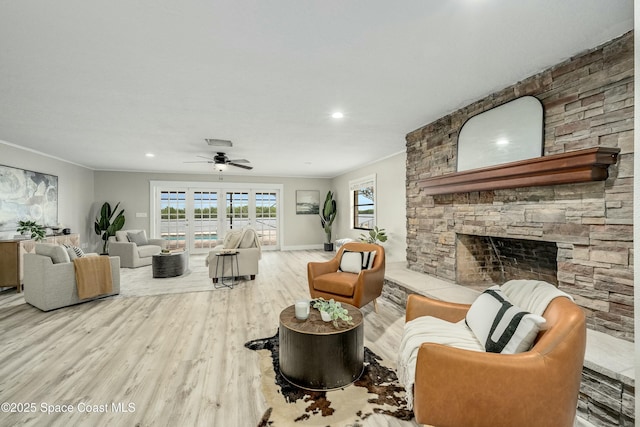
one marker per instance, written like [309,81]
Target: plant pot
[325,316]
[328,247]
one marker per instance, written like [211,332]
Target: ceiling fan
[220,161]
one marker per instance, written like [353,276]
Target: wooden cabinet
[11,252]
[10,264]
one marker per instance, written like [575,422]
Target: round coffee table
[170,265]
[318,356]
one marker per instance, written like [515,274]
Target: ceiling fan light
[221,166]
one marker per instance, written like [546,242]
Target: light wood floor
[179,359]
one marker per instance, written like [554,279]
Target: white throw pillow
[248,239]
[501,326]
[232,239]
[354,262]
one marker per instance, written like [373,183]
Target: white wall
[636,210]
[131,189]
[391,211]
[75,187]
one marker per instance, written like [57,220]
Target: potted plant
[375,235]
[332,311]
[327,216]
[35,231]
[108,223]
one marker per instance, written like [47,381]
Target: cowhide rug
[376,392]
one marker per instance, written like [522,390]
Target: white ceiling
[101,83]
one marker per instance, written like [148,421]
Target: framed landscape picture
[307,202]
[27,195]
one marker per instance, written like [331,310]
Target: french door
[198,218]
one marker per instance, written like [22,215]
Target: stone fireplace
[578,236]
[482,261]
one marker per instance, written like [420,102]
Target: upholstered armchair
[246,244]
[355,286]
[133,247]
[538,387]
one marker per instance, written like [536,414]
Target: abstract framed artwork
[27,195]
[307,202]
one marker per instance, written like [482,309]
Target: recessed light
[150,155]
[502,141]
[337,115]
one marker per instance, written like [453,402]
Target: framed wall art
[307,202]
[27,195]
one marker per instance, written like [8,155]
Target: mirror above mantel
[510,132]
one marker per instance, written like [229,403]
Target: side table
[170,265]
[315,355]
[221,258]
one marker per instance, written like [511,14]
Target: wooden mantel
[590,164]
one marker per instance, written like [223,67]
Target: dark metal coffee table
[170,265]
[318,356]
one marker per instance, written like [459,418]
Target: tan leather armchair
[455,387]
[356,289]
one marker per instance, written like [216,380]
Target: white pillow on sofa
[500,326]
[354,262]
[232,239]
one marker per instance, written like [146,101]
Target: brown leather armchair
[455,387]
[356,289]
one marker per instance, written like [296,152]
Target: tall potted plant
[327,216]
[108,223]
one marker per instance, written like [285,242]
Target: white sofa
[50,281]
[247,245]
[133,248]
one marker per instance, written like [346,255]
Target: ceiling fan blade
[240,166]
[200,161]
[208,158]
[239,161]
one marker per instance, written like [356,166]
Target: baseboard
[303,247]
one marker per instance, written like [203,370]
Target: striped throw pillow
[74,251]
[354,262]
[500,326]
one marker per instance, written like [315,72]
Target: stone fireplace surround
[588,102]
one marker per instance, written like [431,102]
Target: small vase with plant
[332,311]
[35,231]
[375,235]
[327,216]
[108,223]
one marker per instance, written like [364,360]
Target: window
[363,203]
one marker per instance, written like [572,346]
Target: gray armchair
[133,247]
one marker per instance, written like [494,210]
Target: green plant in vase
[375,235]
[327,216]
[36,232]
[335,311]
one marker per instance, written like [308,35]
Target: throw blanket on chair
[93,276]
[434,330]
